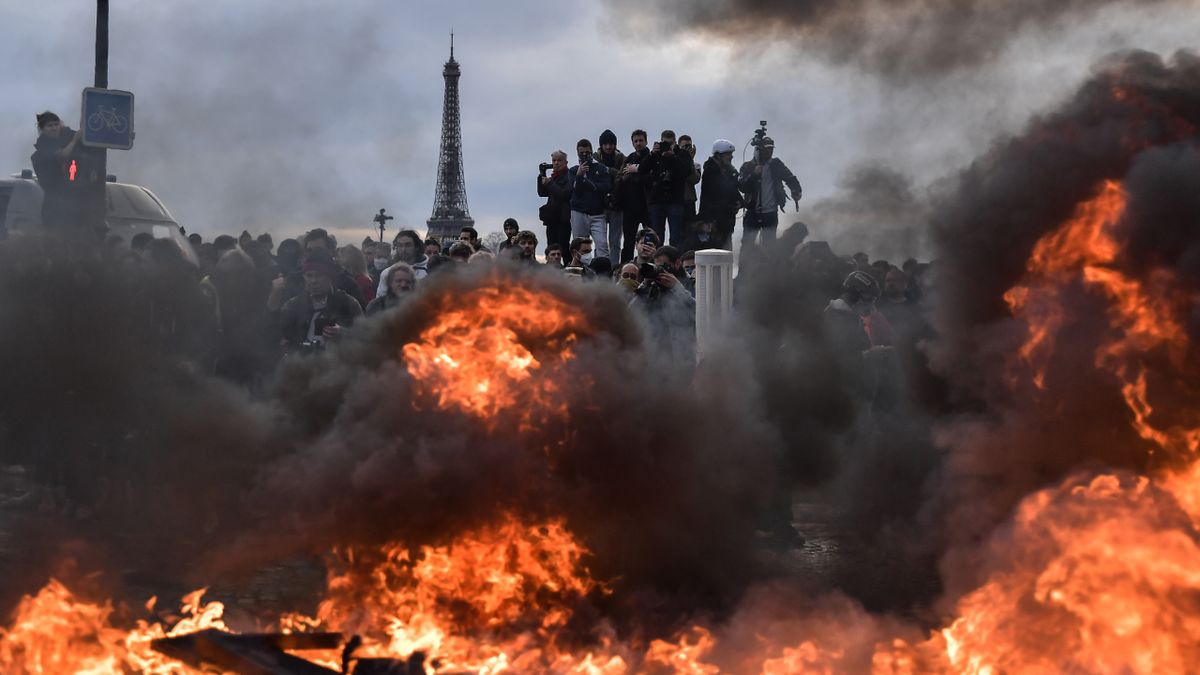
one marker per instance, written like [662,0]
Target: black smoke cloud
[905,39]
[876,209]
[168,471]
[665,481]
[1135,122]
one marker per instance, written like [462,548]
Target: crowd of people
[634,221]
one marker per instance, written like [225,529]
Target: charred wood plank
[248,654]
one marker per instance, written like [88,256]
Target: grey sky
[281,115]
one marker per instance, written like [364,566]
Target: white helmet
[721,146]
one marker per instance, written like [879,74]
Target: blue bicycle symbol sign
[107,118]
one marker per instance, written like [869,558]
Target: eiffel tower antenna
[450,212]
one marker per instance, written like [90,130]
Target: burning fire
[1095,575]
[1100,573]
[487,599]
[498,354]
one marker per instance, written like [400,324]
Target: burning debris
[517,486]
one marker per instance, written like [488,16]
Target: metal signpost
[107,118]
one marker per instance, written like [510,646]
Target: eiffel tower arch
[450,212]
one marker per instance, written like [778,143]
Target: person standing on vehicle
[761,180]
[55,145]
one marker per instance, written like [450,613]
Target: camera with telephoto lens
[650,271]
[650,288]
[544,167]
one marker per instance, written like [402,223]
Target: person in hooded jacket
[613,159]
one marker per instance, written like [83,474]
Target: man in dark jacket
[762,180]
[590,185]
[317,242]
[614,160]
[556,212]
[689,186]
[631,195]
[720,198]
[53,149]
[321,312]
[666,172]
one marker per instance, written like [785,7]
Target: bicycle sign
[107,119]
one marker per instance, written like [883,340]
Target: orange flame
[1104,578]
[497,354]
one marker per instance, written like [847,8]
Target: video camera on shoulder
[759,134]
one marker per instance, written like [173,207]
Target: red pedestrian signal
[71,171]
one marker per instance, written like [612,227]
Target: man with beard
[321,312]
[666,171]
[762,180]
[720,198]
[400,282]
[689,188]
[631,197]
[612,159]
[527,243]
[54,146]
[408,248]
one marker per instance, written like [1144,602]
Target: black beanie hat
[608,137]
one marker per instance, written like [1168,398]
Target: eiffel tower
[450,212]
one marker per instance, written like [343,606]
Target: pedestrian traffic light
[72,169]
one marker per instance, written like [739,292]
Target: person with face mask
[720,198]
[761,180]
[381,259]
[590,184]
[582,256]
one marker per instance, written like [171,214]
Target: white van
[132,209]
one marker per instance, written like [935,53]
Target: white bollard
[714,296]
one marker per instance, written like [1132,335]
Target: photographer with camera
[720,198]
[554,184]
[590,185]
[669,308]
[689,189]
[761,180]
[319,314]
[667,170]
[614,160]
